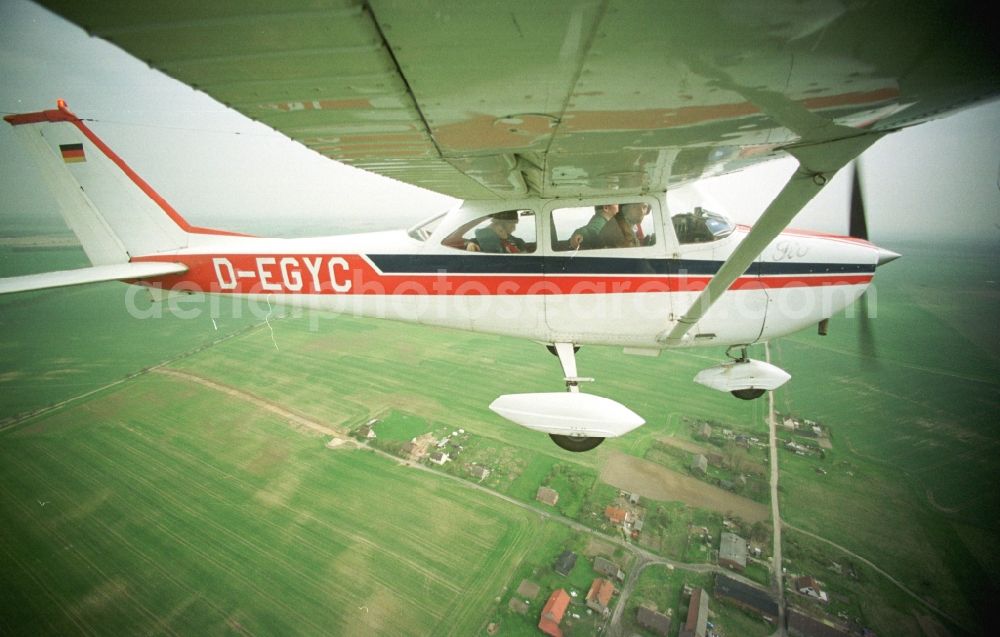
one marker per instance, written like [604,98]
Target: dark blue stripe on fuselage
[530,264]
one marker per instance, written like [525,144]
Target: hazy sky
[218,168]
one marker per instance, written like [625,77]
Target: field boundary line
[264,404]
[18,419]
[881,572]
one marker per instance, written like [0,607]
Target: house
[479,472]
[615,515]
[599,595]
[552,613]
[366,431]
[809,586]
[547,496]
[733,552]
[750,598]
[609,568]
[697,617]
[699,463]
[410,448]
[704,431]
[439,457]
[803,625]
[652,620]
[565,563]
[634,499]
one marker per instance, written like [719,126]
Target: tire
[748,394]
[576,444]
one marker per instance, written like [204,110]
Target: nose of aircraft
[885,256]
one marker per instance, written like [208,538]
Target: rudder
[114,213]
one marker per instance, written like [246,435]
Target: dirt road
[292,418]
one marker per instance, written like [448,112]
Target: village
[577,591]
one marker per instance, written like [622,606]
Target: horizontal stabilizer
[96,274]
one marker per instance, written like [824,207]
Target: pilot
[586,237]
[624,230]
[692,227]
[498,235]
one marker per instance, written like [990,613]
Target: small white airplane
[563,145]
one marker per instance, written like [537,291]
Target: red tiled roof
[549,627]
[806,582]
[553,613]
[601,591]
[555,608]
[614,514]
[693,606]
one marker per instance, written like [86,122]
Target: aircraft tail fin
[114,213]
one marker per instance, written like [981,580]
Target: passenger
[587,237]
[626,231]
[498,235]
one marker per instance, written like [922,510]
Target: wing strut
[817,165]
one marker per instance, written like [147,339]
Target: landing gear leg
[567,359]
[743,377]
[751,393]
[552,349]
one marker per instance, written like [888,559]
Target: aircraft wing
[485,99]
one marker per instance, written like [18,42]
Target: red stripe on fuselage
[354,274]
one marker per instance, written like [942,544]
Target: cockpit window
[507,232]
[701,226]
[616,225]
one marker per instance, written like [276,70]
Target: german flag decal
[72,153]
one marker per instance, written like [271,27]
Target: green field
[154,508]
[172,507]
[62,343]
[916,427]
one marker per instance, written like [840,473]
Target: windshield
[423,230]
[701,226]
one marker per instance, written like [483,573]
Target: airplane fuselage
[618,269]
[628,296]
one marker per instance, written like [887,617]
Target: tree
[759,532]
